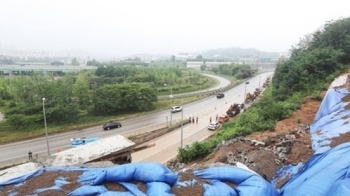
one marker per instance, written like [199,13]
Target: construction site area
[262,156]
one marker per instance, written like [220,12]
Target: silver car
[176,109]
[213,125]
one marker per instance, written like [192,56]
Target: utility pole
[245,90]
[182,121]
[171,105]
[47,137]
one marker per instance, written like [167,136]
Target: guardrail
[207,92]
[201,93]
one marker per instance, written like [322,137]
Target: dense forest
[315,61]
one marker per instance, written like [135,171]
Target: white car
[176,109]
[213,125]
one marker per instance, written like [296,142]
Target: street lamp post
[259,82]
[182,121]
[245,90]
[47,138]
[171,105]
[171,96]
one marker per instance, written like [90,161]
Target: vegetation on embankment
[316,61]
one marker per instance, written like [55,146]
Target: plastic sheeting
[322,175]
[327,172]
[332,120]
[83,140]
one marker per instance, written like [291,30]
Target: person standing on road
[217,116]
[192,119]
[30,155]
[210,120]
[197,120]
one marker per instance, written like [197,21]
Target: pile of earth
[266,152]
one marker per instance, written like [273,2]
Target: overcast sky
[123,27]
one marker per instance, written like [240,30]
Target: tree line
[109,90]
[315,60]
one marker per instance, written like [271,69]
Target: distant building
[183,56]
[257,62]
[254,61]
[197,64]
[28,54]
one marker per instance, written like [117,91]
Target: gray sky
[123,27]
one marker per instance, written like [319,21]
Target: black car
[220,95]
[111,125]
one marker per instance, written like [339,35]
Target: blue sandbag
[100,178]
[87,190]
[89,176]
[247,182]
[145,172]
[233,174]
[116,193]
[218,187]
[158,188]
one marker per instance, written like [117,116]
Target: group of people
[191,119]
[216,118]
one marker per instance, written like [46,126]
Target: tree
[199,57]
[203,67]
[215,70]
[57,63]
[116,98]
[82,94]
[75,61]
[137,59]
[93,62]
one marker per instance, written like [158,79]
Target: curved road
[222,83]
[17,152]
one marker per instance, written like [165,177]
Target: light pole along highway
[171,103]
[47,137]
[245,90]
[182,127]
